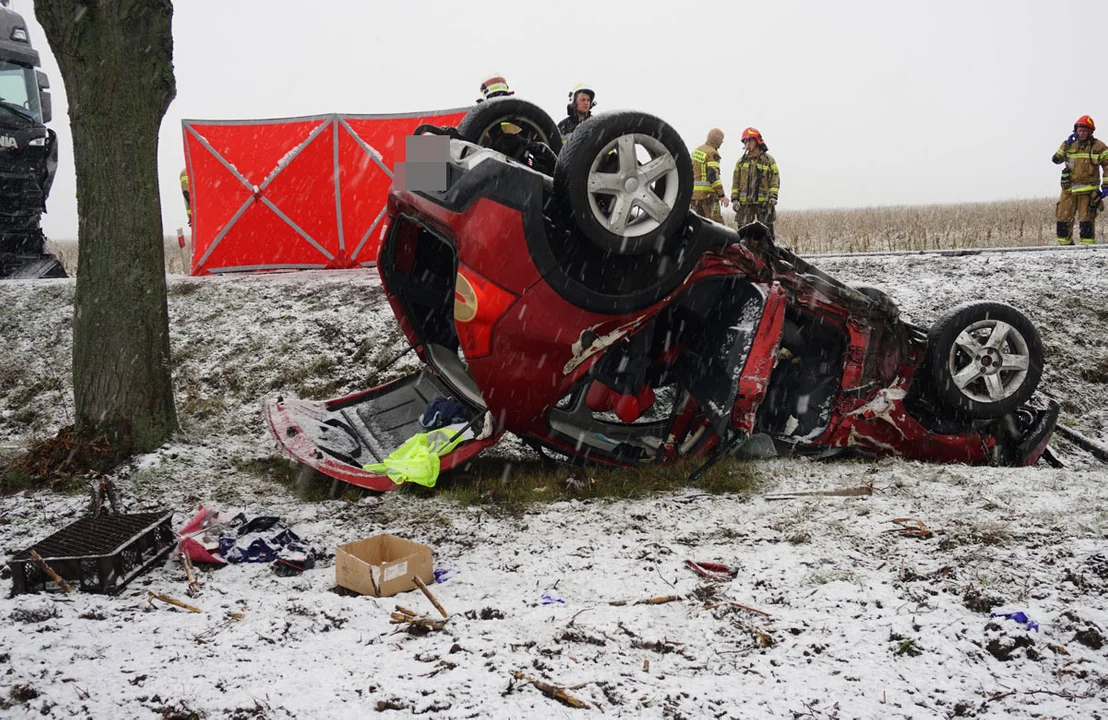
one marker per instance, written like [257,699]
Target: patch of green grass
[202,408]
[278,469]
[508,484]
[31,392]
[907,646]
[314,380]
[16,481]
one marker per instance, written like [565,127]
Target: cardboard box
[382,565]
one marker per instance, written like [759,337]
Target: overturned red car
[566,294]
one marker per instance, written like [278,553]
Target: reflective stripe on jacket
[1084,159]
[707,178]
[185,191]
[755,180]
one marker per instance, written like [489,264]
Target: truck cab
[28,153]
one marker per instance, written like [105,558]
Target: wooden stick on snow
[41,565]
[423,586]
[171,600]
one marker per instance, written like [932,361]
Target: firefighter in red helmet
[1084,182]
[755,182]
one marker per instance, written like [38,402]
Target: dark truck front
[28,153]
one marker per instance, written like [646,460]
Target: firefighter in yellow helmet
[185,192]
[1084,182]
[755,182]
[707,182]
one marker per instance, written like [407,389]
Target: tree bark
[116,59]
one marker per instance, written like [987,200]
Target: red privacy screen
[305,192]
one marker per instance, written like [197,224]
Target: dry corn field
[1011,223]
[176,258]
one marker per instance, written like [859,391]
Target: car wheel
[882,301]
[625,178]
[484,125]
[985,359]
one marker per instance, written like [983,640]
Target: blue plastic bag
[1020,617]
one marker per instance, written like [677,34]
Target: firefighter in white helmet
[582,99]
[496,86]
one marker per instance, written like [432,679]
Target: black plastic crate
[99,555]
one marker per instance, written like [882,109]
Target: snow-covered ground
[832,613]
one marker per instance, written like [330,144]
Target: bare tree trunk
[116,58]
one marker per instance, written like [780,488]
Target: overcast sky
[861,102]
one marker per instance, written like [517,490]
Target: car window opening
[806,378]
[420,269]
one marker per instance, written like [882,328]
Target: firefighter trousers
[763,213]
[708,207]
[1084,206]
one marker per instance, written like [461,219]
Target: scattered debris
[207,635]
[41,565]
[738,605]
[660,600]
[1020,617]
[382,565]
[662,647]
[151,596]
[910,527]
[423,587]
[67,454]
[190,573]
[97,554]
[552,691]
[713,571]
[104,490]
[419,624]
[444,574]
[549,598]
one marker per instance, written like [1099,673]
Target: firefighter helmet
[583,88]
[1086,121]
[752,133]
[495,86]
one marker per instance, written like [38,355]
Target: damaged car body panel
[614,325]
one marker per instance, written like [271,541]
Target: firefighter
[582,99]
[707,181]
[496,86]
[1084,186]
[755,182]
[185,192]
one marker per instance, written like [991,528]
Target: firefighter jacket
[707,181]
[185,192]
[1084,160]
[755,180]
[570,123]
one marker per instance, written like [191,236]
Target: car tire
[984,360]
[882,302]
[479,124]
[620,204]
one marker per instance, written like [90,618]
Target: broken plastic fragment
[1020,617]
